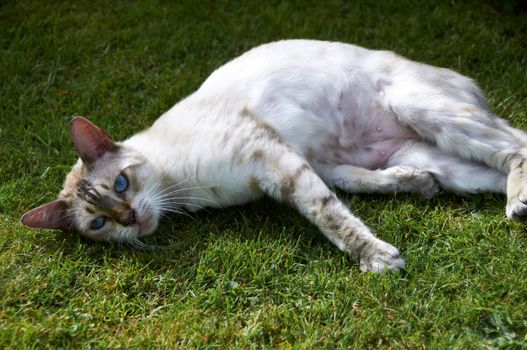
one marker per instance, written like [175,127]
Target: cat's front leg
[284,175]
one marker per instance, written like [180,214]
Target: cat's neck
[178,139]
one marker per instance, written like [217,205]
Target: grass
[257,276]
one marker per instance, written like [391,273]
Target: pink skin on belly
[373,144]
[371,155]
[365,142]
[365,131]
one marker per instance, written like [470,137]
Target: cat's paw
[384,257]
[516,209]
[426,184]
[415,180]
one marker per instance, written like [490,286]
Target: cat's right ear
[90,141]
[51,215]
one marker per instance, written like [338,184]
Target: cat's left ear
[90,141]
[51,215]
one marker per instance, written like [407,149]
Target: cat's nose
[128,217]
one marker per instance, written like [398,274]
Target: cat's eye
[97,223]
[121,183]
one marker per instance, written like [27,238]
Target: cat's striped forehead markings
[87,192]
[89,210]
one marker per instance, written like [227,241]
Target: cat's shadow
[180,240]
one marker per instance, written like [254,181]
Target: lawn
[257,276]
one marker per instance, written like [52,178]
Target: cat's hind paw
[416,180]
[427,185]
[516,210]
[384,257]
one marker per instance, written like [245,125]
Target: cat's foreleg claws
[384,258]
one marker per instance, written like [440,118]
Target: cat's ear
[51,215]
[90,141]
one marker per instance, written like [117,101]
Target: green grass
[257,276]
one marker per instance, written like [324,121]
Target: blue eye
[121,184]
[97,223]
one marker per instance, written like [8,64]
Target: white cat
[291,120]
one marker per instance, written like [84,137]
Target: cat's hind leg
[397,178]
[453,174]
[481,141]
[449,112]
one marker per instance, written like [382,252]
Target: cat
[292,120]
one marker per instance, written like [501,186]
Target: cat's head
[107,195]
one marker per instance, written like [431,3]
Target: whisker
[163,174]
[138,244]
[161,199]
[180,212]
[181,189]
[177,202]
[174,210]
[120,239]
[164,190]
[182,181]
[200,198]
[195,205]
[162,193]
[177,205]
[167,217]
[149,192]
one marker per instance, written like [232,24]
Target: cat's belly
[336,122]
[367,146]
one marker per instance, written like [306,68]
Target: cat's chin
[147,227]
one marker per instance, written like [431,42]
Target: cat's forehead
[102,172]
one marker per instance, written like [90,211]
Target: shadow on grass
[180,241]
